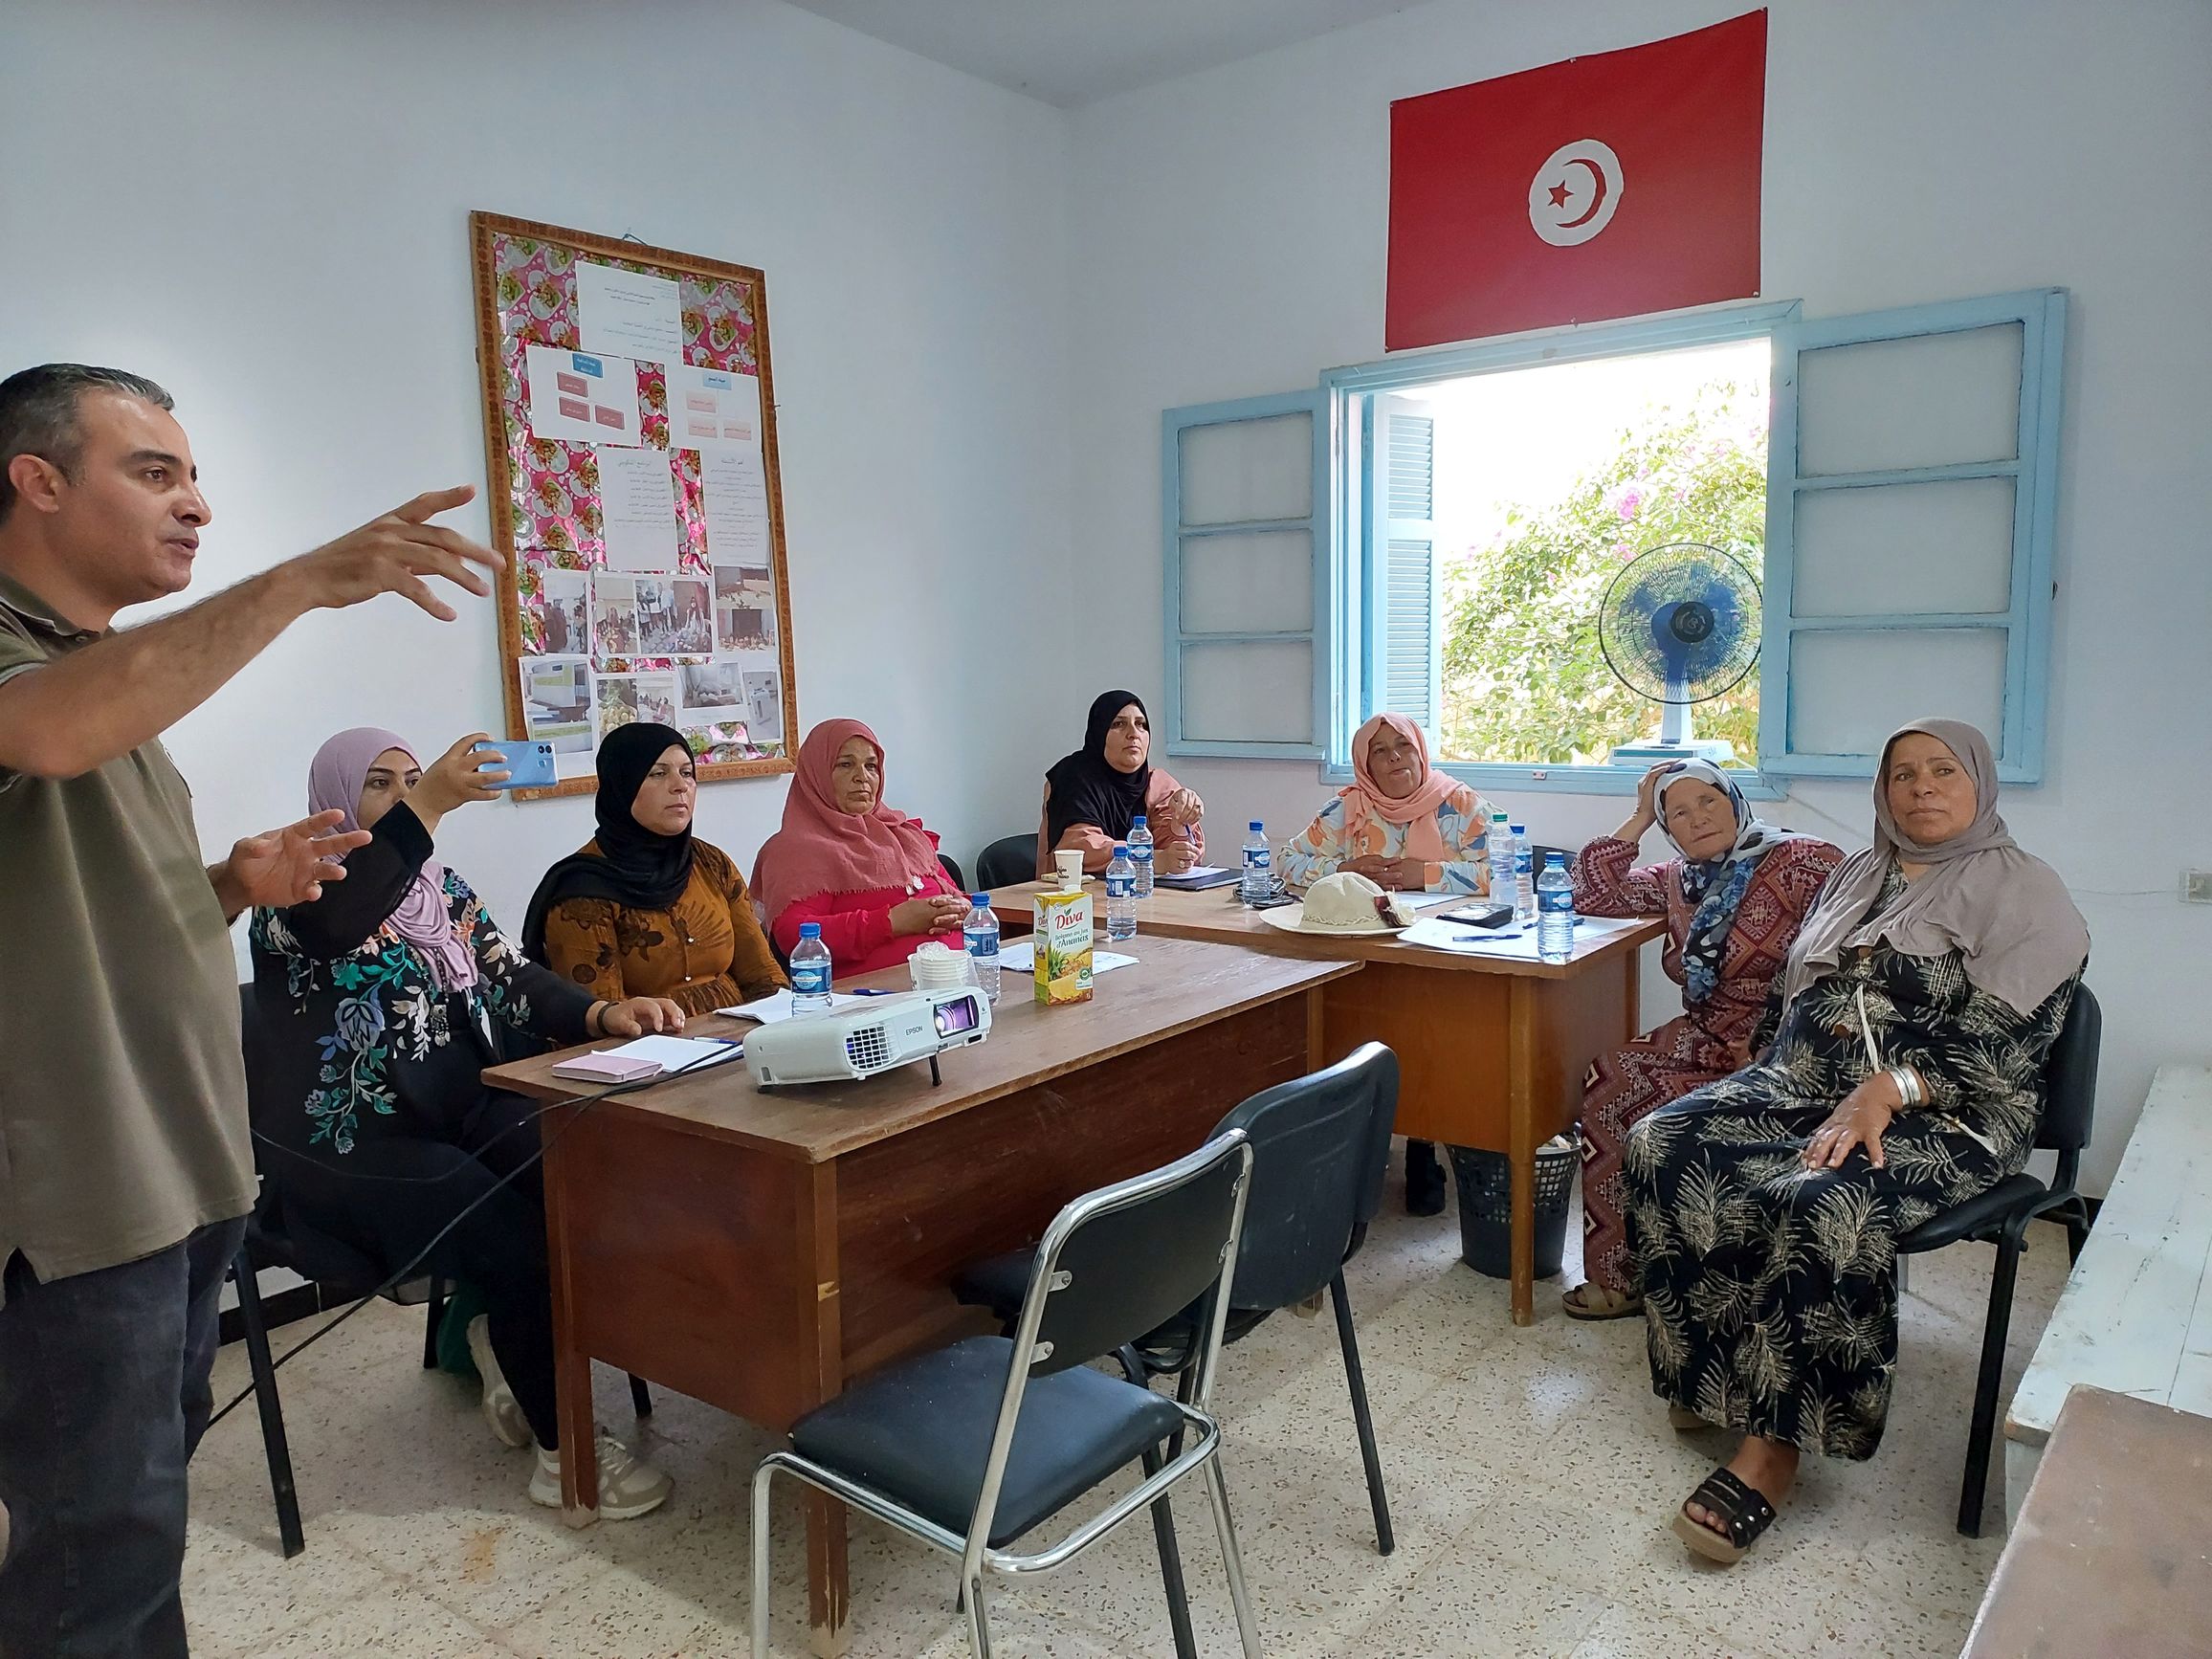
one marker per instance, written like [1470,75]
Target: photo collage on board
[644,567]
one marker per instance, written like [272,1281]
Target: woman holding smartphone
[374,1010]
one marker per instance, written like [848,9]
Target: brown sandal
[1741,1508]
[1591,1301]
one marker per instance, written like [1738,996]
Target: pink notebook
[607,1066]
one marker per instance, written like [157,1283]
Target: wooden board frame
[483,229]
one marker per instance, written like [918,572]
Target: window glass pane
[1249,691]
[1895,548]
[1932,400]
[1238,471]
[1851,688]
[1248,582]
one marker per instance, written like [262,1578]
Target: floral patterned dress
[357,1039]
[1770,1290]
[1699,1045]
[1330,839]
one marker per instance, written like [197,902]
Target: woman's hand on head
[1647,794]
[938,913]
[1859,1119]
[639,1015]
[462,774]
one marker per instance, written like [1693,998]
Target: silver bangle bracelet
[1909,1094]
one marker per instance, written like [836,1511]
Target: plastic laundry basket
[1485,1180]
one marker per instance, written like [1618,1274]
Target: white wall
[265,207]
[1229,239]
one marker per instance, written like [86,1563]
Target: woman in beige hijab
[1906,1076]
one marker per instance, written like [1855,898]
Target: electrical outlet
[2197,887]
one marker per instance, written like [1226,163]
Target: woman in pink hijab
[866,872]
[1403,825]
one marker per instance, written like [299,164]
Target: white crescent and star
[1576,192]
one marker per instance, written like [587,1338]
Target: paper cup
[937,967]
[1069,866]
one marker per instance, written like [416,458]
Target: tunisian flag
[1600,187]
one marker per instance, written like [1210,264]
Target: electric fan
[1679,625]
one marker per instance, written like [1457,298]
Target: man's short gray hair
[38,413]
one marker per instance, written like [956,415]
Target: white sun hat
[1342,903]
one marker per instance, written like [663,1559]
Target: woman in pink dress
[1734,898]
[866,872]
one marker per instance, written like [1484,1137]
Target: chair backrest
[2069,1076]
[951,868]
[1121,1261]
[1320,1148]
[1007,861]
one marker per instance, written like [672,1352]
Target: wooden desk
[2109,1556]
[1490,1053]
[756,1249]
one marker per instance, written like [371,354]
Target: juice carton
[1062,931]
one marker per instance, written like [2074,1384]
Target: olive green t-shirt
[123,1094]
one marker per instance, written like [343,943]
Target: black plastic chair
[1320,1146]
[2001,1216]
[970,1448]
[1007,861]
[952,869]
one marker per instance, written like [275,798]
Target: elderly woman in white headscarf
[1906,1076]
[1733,897]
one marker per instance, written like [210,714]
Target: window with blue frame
[1894,509]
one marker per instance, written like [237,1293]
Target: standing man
[125,1166]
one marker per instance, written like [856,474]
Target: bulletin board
[630,432]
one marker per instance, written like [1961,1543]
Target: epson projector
[874,1035]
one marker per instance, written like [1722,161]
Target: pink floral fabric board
[625,634]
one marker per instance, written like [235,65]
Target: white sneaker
[629,1486]
[501,1410]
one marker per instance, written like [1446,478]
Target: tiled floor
[1529,1472]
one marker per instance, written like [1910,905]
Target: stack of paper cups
[937,967]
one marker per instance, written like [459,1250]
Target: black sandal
[1741,1506]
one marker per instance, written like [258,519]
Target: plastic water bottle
[980,933]
[1120,895]
[1555,910]
[809,972]
[1140,854]
[1524,877]
[1499,844]
[1259,874]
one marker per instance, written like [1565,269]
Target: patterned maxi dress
[1695,1047]
[1770,1290]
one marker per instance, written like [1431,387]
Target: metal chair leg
[273,1438]
[1232,1563]
[1349,1342]
[762,1478]
[640,1397]
[1973,1486]
[431,1320]
[1170,1565]
[979,1622]
[2078,1230]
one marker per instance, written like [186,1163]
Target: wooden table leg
[1521,1142]
[571,1365]
[829,1587]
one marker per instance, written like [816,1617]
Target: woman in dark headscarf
[1733,897]
[1906,1076]
[373,1006]
[646,908]
[1094,795]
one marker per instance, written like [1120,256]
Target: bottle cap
[1257,825]
[1137,820]
[1120,849]
[809,930]
[1554,861]
[1517,829]
[981,900]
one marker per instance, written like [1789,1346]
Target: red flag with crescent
[1609,186]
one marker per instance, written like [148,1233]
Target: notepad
[1198,878]
[645,1058]
[776,1008]
[1021,958]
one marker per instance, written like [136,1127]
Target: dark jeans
[392,1194]
[103,1395]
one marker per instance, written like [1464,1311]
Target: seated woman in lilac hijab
[374,1010]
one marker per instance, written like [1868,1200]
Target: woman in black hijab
[1094,795]
[645,902]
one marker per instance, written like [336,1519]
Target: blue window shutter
[1412,681]
[1245,557]
[1912,474]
